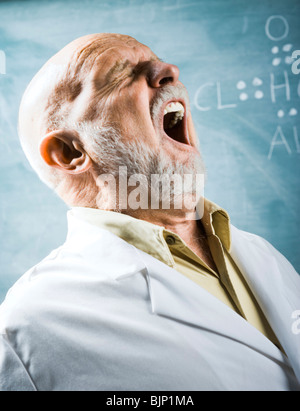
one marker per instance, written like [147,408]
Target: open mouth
[174,122]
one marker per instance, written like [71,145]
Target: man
[140,296]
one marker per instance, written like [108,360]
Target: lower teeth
[174,121]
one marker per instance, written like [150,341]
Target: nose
[160,73]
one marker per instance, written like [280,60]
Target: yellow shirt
[227,284]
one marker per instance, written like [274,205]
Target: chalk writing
[276,86]
[274,21]
[279,139]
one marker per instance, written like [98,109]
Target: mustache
[168,92]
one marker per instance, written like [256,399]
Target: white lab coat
[99,314]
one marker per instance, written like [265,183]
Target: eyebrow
[121,65]
[117,67]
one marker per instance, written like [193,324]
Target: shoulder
[248,240]
[247,236]
[83,271]
[25,293]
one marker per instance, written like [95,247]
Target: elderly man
[139,297]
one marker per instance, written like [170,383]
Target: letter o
[267,28]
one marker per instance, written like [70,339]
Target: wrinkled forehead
[107,50]
[119,56]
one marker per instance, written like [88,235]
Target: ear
[62,149]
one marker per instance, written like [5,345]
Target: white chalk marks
[281,55]
[276,28]
[258,94]
[216,89]
[241,85]
[292,112]
[279,139]
[285,85]
[256,82]
[275,88]
[280,113]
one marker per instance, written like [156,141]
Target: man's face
[142,97]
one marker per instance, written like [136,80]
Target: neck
[189,229]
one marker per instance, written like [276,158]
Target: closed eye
[141,66]
[117,69]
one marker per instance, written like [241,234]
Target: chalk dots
[276,61]
[243,96]
[258,94]
[257,81]
[288,60]
[240,85]
[280,113]
[287,47]
[293,112]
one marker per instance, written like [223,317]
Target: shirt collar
[142,234]
[149,237]
[216,221]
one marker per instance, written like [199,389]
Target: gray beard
[112,157]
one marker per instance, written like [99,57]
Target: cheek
[133,117]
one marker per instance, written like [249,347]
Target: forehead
[119,53]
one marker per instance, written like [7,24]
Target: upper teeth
[178,109]
[175,106]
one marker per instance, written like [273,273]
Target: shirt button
[170,240]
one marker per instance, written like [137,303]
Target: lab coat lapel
[267,282]
[174,296]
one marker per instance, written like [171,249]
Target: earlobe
[62,149]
